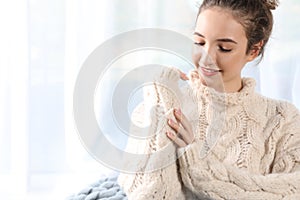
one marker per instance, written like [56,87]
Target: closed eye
[199,43]
[224,49]
[221,48]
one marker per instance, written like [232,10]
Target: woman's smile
[209,71]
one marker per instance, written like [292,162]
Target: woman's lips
[209,72]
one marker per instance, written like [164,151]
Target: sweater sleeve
[156,180]
[222,181]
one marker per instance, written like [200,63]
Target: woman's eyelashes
[224,49]
[220,47]
[199,43]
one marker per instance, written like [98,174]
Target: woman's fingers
[176,139]
[187,137]
[183,76]
[180,117]
[183,120]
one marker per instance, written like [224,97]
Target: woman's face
[224,40]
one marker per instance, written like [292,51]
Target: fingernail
[170,121]
[170,134]
[178,111]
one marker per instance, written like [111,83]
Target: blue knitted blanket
[104,189]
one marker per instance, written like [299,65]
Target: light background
[42,47]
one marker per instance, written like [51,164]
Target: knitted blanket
[104,189]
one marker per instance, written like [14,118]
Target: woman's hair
[254,15]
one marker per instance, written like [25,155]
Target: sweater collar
[211,95]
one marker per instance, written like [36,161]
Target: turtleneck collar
[234,98]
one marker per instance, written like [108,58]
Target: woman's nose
[204,56]
[208,57]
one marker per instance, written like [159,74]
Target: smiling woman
[226,44]
[41,156]
[231,142]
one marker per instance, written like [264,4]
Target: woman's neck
[233,86]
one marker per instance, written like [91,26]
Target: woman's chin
[215,82]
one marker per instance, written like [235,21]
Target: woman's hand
[183,129]
[183,76]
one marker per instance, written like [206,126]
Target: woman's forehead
[216,23]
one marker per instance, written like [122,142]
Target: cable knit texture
[246,146]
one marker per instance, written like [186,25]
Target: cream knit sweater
[246,146]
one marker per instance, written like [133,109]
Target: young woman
[236,144]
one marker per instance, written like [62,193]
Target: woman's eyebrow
[196,33]
[226,40]
[220,40]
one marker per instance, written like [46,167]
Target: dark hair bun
[271,4]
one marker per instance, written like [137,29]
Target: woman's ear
[255,50]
